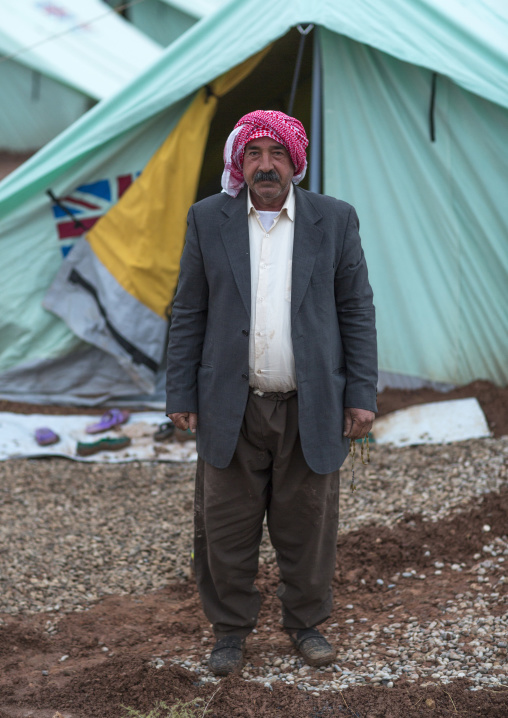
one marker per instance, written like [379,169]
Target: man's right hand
[185,420]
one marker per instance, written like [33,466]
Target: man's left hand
[357,422]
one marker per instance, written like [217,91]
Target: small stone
[486,528]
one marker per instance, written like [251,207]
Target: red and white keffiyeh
[282,128]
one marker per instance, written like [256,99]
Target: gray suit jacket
[332,320]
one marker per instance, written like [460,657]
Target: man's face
[268,171]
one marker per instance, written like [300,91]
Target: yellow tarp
[140,240]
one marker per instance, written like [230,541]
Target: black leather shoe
[227,655]
[313,646]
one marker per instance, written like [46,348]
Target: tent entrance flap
[115,287]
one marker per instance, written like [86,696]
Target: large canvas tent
[414,101]
[57,60]
[165,20]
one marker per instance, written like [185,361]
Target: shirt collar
[289,204]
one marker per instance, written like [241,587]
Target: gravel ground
[74,533]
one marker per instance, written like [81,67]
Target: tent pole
[315,118]
[296,74]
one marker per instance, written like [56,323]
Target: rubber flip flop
[45,436]
[106,444]
[112,418]
[165,431]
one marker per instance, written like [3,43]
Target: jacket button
[244,376]
[245,332]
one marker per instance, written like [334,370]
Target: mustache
[270,176]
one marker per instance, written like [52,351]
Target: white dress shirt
[271,359]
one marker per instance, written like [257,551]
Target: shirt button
[245,377]
[258,371]
[267,236]
[245,332]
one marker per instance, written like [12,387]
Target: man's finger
[180,420]
[360,431]
[348,424]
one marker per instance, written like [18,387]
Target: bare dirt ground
[119,651]
[99,609]
[11,161]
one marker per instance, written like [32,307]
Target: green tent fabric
[56,61]
[430,262]
[165,20]
[434,215]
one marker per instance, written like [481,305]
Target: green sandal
[107,444]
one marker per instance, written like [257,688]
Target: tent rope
[59,204]
[303,34]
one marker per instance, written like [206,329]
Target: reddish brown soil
[94,684]
[9,161]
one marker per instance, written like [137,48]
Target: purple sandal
[112,418]
[45,436]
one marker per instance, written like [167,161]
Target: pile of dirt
[95,663]
[102,691]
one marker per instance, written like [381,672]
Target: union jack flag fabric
[78,211]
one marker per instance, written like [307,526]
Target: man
[272,360]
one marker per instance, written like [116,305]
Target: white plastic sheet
[17,438]
[440,422]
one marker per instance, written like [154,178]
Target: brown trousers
[267,475]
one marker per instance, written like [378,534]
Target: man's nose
[265,164]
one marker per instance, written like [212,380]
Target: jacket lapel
[307,240]
[235,236]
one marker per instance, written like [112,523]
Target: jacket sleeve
[188,325]
[356,315]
